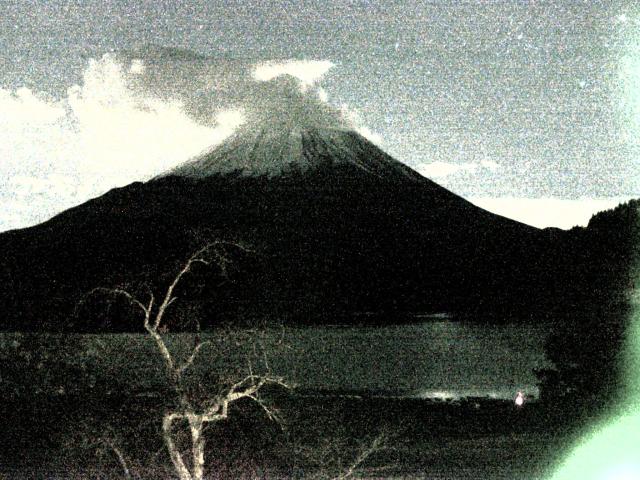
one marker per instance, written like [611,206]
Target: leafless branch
[378,444]
[272,413]
[121,458]
[192,357]
[124,293]
[211,410]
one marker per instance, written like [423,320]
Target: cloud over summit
[307,71]
[135,114]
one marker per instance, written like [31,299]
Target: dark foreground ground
[321,436]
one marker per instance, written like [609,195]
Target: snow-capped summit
[288,128]
[274,151]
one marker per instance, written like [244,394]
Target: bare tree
[376,445]
[110,445]
[336,460]
[194,413]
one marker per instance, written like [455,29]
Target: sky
[529,109]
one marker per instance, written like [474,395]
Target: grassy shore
[320,436]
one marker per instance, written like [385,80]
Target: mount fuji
[340,232]
[277,151]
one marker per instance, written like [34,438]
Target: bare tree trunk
[197,446]
[196,417]
[174,453]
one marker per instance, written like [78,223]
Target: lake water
[432,359]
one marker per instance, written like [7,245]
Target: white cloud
[369,134]
[24,107]
[32,199]
[137,66]
[307,71]
[354,118]
[298,100]
[102,135]
[227,121]
[110,130]
[323,95]
[547,212]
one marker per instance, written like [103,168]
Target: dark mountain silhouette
[340,232]
[594,314]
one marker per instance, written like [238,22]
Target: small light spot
[519,399]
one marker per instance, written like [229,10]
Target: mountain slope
[337,228]
[276,151]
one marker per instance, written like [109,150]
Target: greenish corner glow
[611,451]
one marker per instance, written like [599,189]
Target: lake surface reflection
[431,359]
[442,358]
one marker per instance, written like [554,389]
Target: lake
[431,359]
[439,359]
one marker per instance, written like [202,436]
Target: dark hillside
[347,232]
